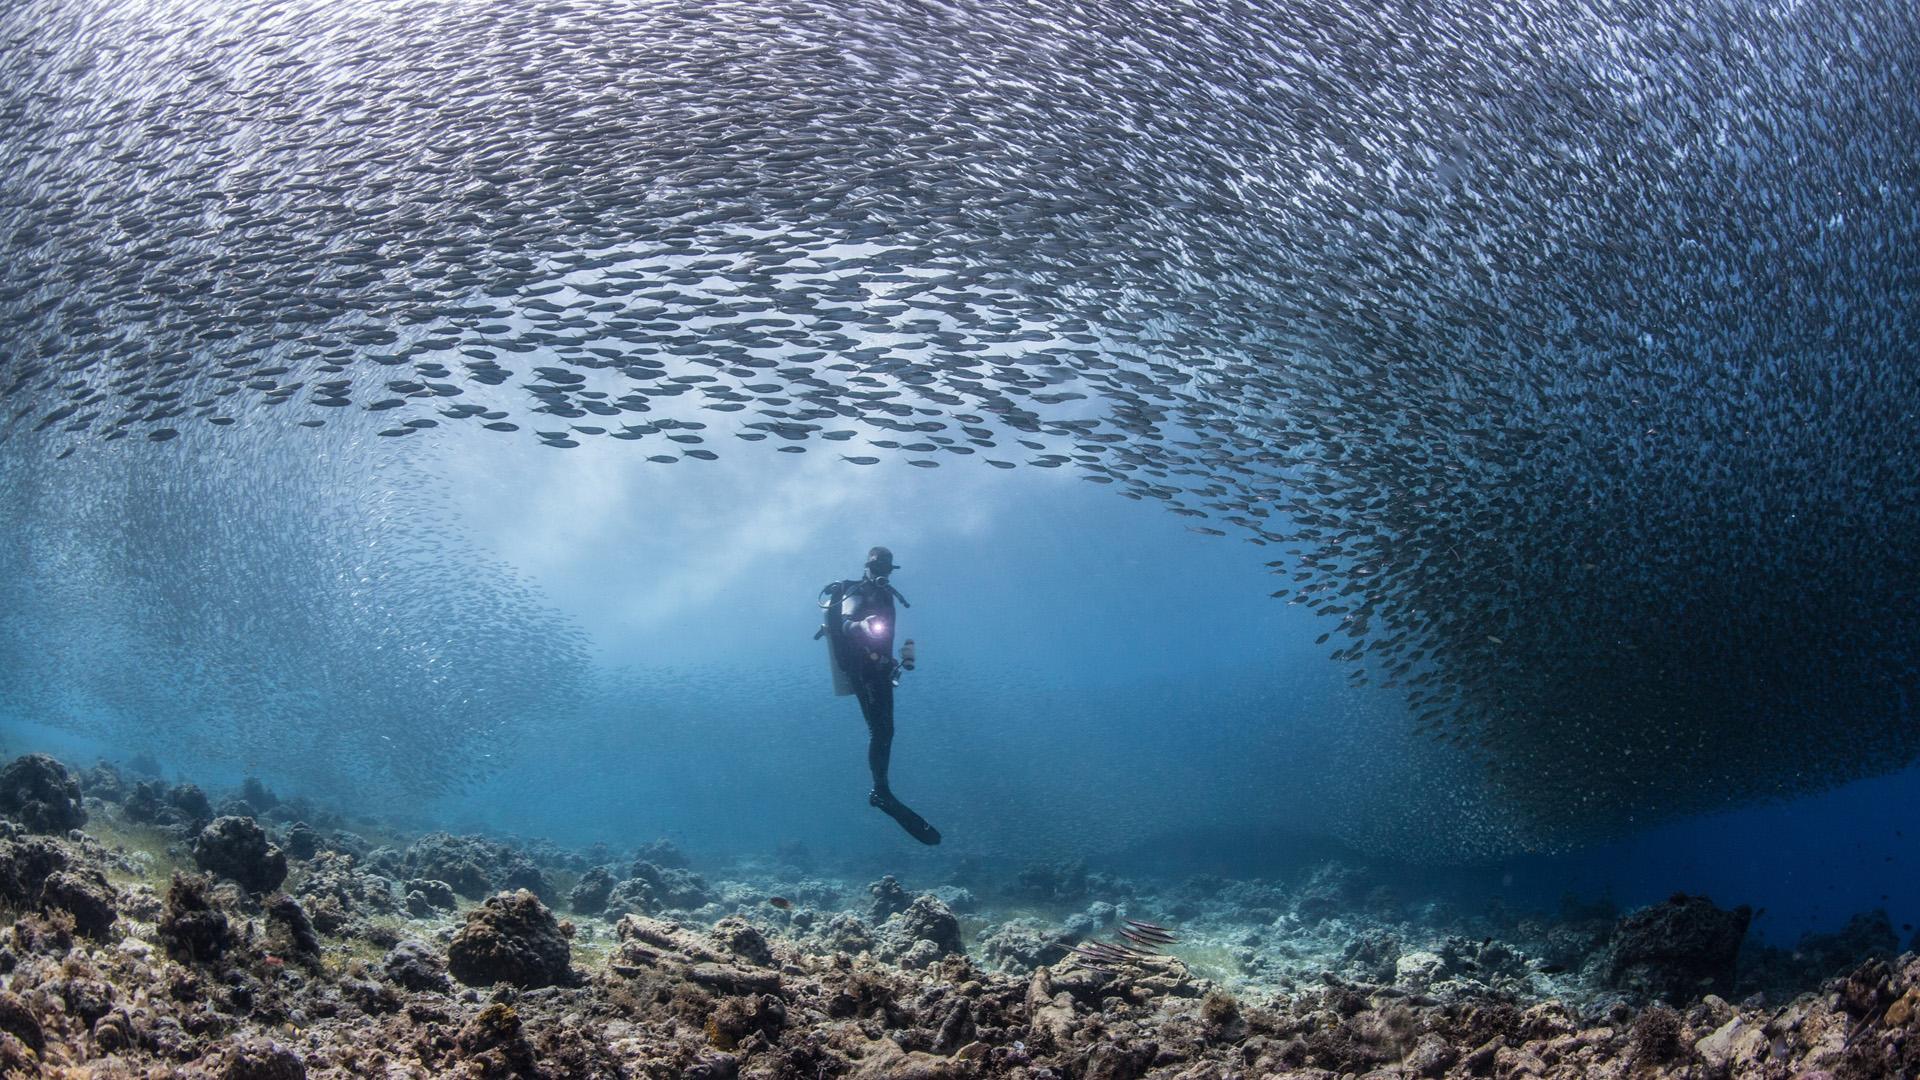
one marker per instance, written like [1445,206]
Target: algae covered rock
[631,897]
[303,840]
[1021,945]
[188,799]
[919,936]
[463,862]
[1677,949]
[262,1059]
[337,890]
[412,965]
[589,896]
[39,792]
[17,1019]
[39,873]
[521,873]
[426,896]
[25,864]
[672,887]
[494,1044]
[740,939]
[511,938]
[889,899]
[82,892]
[663,853]
[295,928]
[191,927]
[237,848]
[183,806]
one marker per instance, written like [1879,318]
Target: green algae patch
[1207,961]
[592,956]
[129,838]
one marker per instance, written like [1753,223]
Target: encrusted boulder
[189,800]
[634,896]
[845,933]
[521,873]
[1677,950]
[426,896]
[82,892]
[1060,882]
[663,853]
[183,806]
[104,782]
[589,896]
[673,887]
[25,864]
[889,899]
[39,873]
[465,862]
[511,938]
[237,848]
[17,1019]
[1021,945]
[919,936]
[412,965]
[261,1059]
[731,960]
[303,840]
[494,1044]
[740,939]
[293,926]
[39,792]
[255,794]
[191,928]
[337,889]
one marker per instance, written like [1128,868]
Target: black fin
[915,825]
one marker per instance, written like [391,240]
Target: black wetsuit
[861,637]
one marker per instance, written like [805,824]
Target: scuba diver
[857,622]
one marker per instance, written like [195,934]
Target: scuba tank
[906,655]
[829,628]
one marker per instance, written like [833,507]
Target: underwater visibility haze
[1456,465]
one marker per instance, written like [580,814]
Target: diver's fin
[915,825]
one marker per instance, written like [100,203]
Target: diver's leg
[876,704]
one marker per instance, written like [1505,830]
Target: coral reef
[185,975]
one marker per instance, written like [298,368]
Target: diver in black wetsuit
[858,625]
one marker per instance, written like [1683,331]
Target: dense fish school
[1562,354]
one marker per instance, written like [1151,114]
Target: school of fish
[1562,353]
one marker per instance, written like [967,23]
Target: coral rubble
[117,965]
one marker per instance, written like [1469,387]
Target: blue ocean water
[1096,681]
